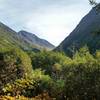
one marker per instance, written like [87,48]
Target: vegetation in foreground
[43,96]
[30,74]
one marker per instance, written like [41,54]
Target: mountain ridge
[83,34]
[10,38]
[33,39]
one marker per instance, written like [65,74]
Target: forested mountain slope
[87,33]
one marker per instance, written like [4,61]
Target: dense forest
[50,73]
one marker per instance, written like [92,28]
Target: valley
[32,68]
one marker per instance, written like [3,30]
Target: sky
[52,20]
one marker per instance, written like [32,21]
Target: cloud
[55,23]
[49,19]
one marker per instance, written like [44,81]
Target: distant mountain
[34,40]
[87,33]
[10,39]
[23,40]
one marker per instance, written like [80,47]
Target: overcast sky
[52,20]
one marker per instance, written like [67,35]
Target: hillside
[9,38]
[24,40]
[86,33]
[34,40]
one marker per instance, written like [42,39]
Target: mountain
[10,39]
[34,40]
[24,40]
[87,33]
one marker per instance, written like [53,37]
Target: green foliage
[82,78]
[47,60]
[76,78]
[93,2]
[57,89]
[14,64]
[20,86]
[28,87]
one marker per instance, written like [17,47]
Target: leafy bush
[46,60]
[28,87]
[14,64]
[76,78]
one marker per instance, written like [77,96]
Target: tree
[93,2]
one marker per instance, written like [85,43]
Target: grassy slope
[10,39]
